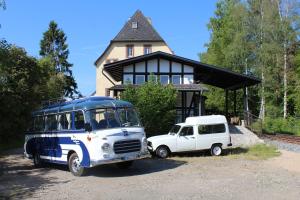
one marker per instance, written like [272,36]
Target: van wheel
[216,150]
[124,165]
[74,165]
[162,152]
[37,161]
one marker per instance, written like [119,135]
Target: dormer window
[129,51]
[134,25]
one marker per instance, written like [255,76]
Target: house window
[139,79]
[188,79]
[176,79]
[129,51]
[107,92]
[128,79]
[134,25]
[164,79]
[147,49]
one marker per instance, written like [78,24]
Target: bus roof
[86,103]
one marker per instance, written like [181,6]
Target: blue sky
[91,24]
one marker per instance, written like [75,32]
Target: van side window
[187,130]
[51,122]
[38,123]
[64,121]
[208,129]
[79,120]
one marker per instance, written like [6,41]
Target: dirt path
[198,177]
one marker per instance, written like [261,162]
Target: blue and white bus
[86,132]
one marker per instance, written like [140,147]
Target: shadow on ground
[139,167]
[234,130]
[19,179]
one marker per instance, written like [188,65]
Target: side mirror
[88,127]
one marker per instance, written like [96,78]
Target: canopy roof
[181,87]
[203,73]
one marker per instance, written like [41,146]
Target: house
[138,51]
[137,37]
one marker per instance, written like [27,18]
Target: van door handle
[193,137]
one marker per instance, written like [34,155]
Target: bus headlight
[105,147]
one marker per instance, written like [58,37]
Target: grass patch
[256,152]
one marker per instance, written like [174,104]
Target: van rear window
[209,129]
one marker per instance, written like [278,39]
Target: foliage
[20,90]
[280,125]
[255,152]
[54,47]
[253,37]
[155,104]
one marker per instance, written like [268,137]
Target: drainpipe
[107,77]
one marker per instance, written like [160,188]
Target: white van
[197,133]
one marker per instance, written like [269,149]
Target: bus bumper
[119,159]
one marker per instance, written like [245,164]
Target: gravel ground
[180,177]
[283,145]
[242,137]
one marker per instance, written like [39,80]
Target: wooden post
[234,102]
[226,102]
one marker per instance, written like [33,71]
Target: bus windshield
[109,118]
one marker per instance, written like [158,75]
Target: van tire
[216,150]
[37,161]
[162,152]
[124,165]
[74,165]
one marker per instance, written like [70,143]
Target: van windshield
[174,130]
[110,118]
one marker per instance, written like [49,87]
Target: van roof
[86,103]
[207,119]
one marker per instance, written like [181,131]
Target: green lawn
[256,152]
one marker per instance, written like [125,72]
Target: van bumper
[124,158]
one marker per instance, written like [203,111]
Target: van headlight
[105,147]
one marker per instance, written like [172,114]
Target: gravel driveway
[188,177]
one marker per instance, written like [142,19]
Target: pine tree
[54,46]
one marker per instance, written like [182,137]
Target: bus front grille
[127,146]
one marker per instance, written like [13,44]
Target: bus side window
[51,122]
[64,121]
[38,123]
[78,120]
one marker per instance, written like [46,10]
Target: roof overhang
[203,73]
[181,87]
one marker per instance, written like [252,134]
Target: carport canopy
[203,73]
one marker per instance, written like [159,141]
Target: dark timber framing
[202,73]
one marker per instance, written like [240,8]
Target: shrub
[155,104]
[280,125]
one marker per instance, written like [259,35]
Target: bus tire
[37,161]
[74,165]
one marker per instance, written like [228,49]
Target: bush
[155,104]
[280,125]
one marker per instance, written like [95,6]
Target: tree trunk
[262,103]
[285,84]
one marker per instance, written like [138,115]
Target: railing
[253,122]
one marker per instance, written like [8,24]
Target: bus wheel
[74,165]
[124,165]
[37,161]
